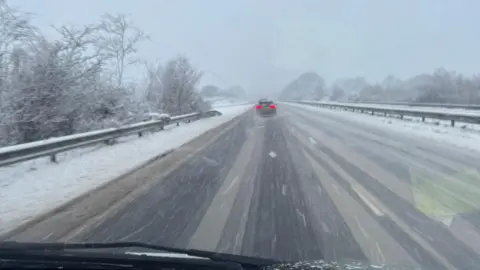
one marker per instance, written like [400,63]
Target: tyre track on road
[279,224]
[440,238]
[172,210]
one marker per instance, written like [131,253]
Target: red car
[266,107]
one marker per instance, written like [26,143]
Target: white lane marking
[312,140]
[272,154]
[274,241]
[284,190]
[319,190]
[237,240]
[374,209]
[336,188]
[379,250]
[303,217]
[210,161]
[360,227]
[325,227]
[234,181]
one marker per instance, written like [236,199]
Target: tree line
[76,83]
[440,86]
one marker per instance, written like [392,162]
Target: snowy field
[34,187]
[462,135]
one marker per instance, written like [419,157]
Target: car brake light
[259,107]
[273,106]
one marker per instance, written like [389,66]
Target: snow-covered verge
[31,188]
[407,108]
[437,122]
[431,129]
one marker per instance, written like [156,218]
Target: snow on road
[34,187]
[433,129]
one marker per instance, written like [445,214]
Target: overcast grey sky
[263,44]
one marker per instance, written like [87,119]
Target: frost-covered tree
[15,30]
[58,87]
[210,90]
[180,81]
[154,88]
[237,91]
[50,94]
[441,86]
[338,94]
[309,85]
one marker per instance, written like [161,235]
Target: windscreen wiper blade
[222,257]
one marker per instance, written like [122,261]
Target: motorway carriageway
[303,185]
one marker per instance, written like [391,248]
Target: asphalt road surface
[308,185]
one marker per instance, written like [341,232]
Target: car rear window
[265,102]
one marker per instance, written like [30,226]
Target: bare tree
[337,94]
[210,90]
[16,31]
[308,85]
[52,88]
[53,81]
[119,40]
[154,88]
[441,86]
[180,81]
[15,28]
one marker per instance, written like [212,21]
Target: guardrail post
[372,112]
[178,123]
[384,113]
[110,142]
[140,134]
[423,118]
[452,123]
[53,158]
[401,116]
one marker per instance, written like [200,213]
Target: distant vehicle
[266,107]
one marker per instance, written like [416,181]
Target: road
[307,185]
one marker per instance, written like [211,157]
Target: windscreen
[342,131]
